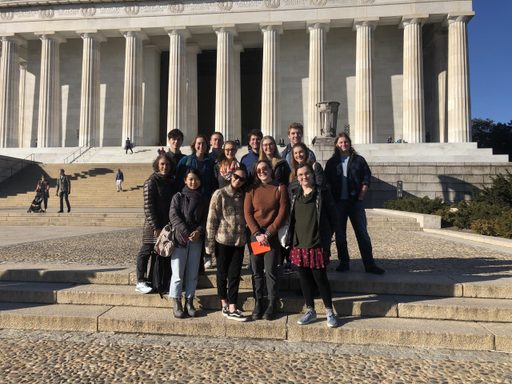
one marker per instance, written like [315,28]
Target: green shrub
[504,225]
[416,204]
[484,226]
[469,211]
[500,192]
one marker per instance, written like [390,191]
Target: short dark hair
[255,132]
[217,133]
[175,134]
[194,171]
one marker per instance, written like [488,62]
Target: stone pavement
[56,357]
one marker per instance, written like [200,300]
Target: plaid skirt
[313,258]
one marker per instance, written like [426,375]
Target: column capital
[12,37]
[183,31]
[50,36]
[230,28]
[453,17]
[93,34]
[272,27]
[366,22]
[134,32]
[413,19]
[317,24]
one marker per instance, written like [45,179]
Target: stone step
[404,283]
[353,330]
[369,305]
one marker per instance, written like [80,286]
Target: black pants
[45,202]
[308,277]
[145,253]
[265,270]
[64,196]
[229,266]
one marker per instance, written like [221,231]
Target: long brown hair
[351,149]
[293,164]
[275,156]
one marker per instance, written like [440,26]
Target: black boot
[258,310]
[189,307]
[177,309]
[270,312]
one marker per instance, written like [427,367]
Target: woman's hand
[262,239]
[194,236]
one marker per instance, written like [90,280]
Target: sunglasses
[240,178]
[262,170]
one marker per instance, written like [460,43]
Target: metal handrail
[75,154]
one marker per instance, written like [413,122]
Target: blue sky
[490,60]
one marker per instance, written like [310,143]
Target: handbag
[282,234]
[165,243]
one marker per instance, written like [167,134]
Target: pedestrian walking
[128,146]
[43,190]
[63,190]
[119,180]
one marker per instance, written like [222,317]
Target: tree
[497,136]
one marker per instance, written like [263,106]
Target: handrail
[31,157]
[75,155]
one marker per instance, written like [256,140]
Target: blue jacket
[358,173]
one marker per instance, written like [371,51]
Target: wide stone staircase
[399,309]
[92,185]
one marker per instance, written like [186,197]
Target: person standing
[295,134]
[174,142]
[159,189]
[128,145]
[265,209]
[349,176]
[280,168]
[312,218]
[251,157]
[187,215]
[216,144]
[226,237]
[119,180]
[63,190]
[43,189]
[226,164]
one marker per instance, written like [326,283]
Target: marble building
[91,73]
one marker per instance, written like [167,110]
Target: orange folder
[258,249]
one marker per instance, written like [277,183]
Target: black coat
[358,173]
[187,213]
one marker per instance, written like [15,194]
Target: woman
[187,215]
[280,167]
[309,235]
[199,160]
[159,189]
[265,209]
[348,176]
[43,190]
[226,164]
[300,154]
[226,237]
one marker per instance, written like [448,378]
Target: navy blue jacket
[358,173]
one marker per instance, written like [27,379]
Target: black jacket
[158,192]
[187,213]
[358,173]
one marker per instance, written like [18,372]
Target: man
[216,143]
[119,180]
[295,134]
[63,190]
[249,159]
[128,145]
[174,142]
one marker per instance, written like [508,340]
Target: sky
[490,60]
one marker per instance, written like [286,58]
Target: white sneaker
[143,287]
[207,262]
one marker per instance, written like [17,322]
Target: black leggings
[308,277]
[229,265]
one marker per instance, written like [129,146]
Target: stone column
[21,108]
[317,36]
[413,99]
[459,113]
[176,102]
[9,92]
[48,130]
[363,132]
[270,85]
[90,95]
[133,74]
[236,132]
[191,128]
[223,87]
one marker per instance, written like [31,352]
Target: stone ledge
[424,220]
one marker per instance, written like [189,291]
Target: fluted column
[48,130]
[90,94]
[236,132]
[132,99]
[413,98]
[9,92]
[224,80]
[270,80]
[21,108]
[317,40]
[363,132]
[176,102]
[459,113]
[191,122]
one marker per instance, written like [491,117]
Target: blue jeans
[185,269]
[354,210]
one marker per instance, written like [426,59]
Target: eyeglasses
[239,178]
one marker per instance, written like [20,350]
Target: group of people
[283,206]
[63,190]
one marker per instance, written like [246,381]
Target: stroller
[35,206]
